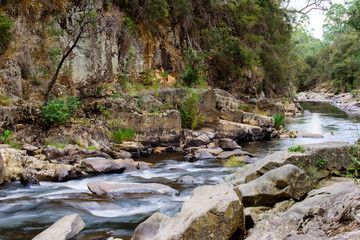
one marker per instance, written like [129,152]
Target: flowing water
[26,211]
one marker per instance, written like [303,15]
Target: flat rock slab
[130,190]
[237,152]
[65,228]
[212,212]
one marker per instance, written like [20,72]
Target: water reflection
[331,122]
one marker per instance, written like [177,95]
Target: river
[26,211]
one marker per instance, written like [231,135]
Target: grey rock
[197,141]
[142,166]
[275,186]
[102,165]
[237,152]
[202,155]
[212,212]
[65,228]
[307,113]
[130,190]
[61,173]
[320,216]
[336,154]
[228,144]
[186,180]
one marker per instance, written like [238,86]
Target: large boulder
[212,212]
[130,190]
[14,163]
[275,186]
[327,213]
[65,228]
[241,131]
[228,144]
[336,155]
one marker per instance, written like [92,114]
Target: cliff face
[123,43]
[100,56]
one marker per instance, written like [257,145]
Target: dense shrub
[120,135]
[59,110]
[189,111]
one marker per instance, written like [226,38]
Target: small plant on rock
[278,120]
[8,138]
[245,108]
[297,148]
[321,162]
[120,135]
[233,163]
[189,111]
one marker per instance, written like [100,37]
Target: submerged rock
[212,212]
[130,190]
[63,229]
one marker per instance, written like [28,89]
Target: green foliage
[227,54]
[193,74]
[278,120]
[336,22]
[5,101]
[189,111]
[245,108]
[5,32]
[8,138]
[56,144]
[297,148]
[321,162]
[120,135]
[92,148]
[59,110]
[233,163]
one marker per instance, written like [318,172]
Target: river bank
[348,102]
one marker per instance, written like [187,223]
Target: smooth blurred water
[26,211]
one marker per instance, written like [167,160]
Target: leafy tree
[336,22]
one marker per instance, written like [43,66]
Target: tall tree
[336,22]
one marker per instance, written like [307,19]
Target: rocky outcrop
[336,155]
[286,182]
[212,212]
[13,164]
[327,213]
[130,190]
[63,229]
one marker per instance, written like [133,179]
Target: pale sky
[316,16]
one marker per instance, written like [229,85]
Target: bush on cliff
[59,110]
